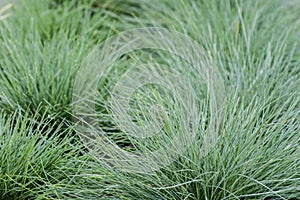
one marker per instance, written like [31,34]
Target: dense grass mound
[254,46]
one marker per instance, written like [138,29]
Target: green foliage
[33,154]
[253,44]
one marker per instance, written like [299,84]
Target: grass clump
[33,155]
[254,44]
[40,59]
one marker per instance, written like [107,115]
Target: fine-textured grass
[34,154]
[254,44]
[40,59]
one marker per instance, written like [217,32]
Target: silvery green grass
[254,44]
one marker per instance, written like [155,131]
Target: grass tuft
[254,45]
